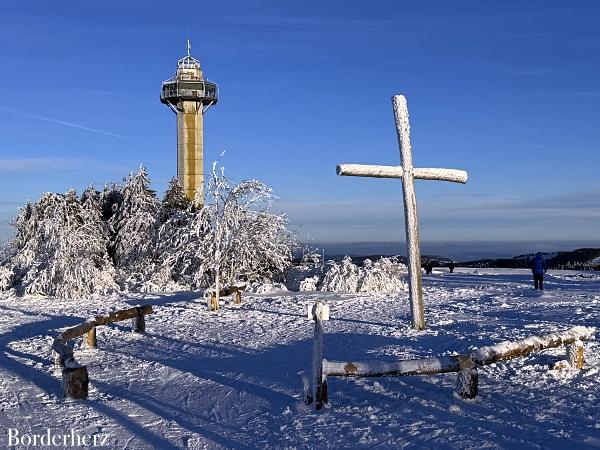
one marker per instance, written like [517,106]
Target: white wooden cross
[407,173]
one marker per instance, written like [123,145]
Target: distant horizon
[457,250]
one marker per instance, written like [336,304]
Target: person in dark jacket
[451,266]
[538,268]
[428,266]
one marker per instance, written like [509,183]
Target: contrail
[62,122]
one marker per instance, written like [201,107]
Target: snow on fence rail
[74,375]
[465,365]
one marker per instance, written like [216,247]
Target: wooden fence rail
[75,375]
[465,365]
[235,289]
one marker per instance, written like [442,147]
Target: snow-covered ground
[232,379]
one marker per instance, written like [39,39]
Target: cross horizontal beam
[363,170]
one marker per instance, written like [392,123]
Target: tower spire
[189,47]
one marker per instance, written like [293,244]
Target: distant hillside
[580,259]
[456,250]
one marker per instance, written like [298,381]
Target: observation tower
[189,96]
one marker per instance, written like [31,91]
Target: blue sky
[506,90]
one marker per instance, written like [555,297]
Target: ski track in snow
[232,379]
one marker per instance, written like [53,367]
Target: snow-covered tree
[247,240]
[174,200]
[69,246]
[110,200]
[134,223]
[177,254]
[61,248]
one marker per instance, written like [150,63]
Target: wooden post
[319,378]
[213,302]
[75,382]
[139,322]
[467,380]
[217,285]
[237,297]
[319,312]
[90,338]
[575,354]
[62,354]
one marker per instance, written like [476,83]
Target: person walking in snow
[538,268]
[451,266]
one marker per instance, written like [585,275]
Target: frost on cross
[407,173]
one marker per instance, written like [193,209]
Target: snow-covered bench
[465,365]
[74,375]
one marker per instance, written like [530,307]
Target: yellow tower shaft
[190,149]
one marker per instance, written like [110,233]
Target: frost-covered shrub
[384,275]
[342,276]
[309,283]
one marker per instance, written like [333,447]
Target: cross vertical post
[415,287]
[408,174]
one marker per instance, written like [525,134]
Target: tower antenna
[189,47]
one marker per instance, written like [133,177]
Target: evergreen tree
[65,253]
[134,223]
[174,200]
[110,200]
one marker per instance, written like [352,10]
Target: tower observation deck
[189,95]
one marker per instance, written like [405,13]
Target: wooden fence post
[139,322]
[213,303]
[237,297]
[75,382]
[319,312]
[467,380]
[60,358]
[575,354]
[90,338]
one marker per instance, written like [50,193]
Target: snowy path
[232,380]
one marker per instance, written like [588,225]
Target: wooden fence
[213,300]
[465,365]
[75,375]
